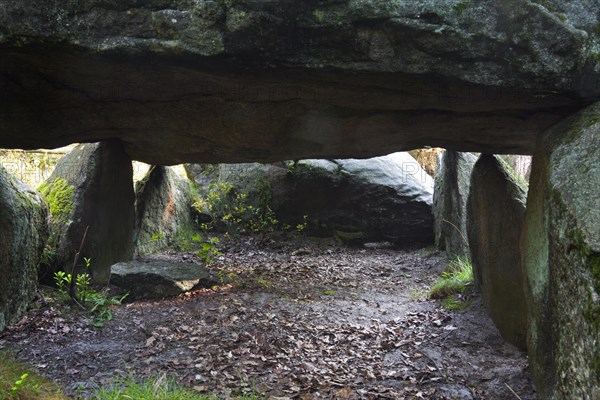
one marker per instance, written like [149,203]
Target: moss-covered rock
[59,195]
[23,235]
[91,186]
[561,256]
[384,198]
[163,209]
[495,213]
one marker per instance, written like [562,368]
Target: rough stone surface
[23,233]
[382,198]
[451,191]
[203,175]
[163,208]
[238,81]
[561,256]
[99,178]
[157,279]
[495,213]
[520,164]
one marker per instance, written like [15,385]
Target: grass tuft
[160,388]
[155,389]
[455,303]
[456,279]
[18,382]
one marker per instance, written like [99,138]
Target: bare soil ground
[302,320]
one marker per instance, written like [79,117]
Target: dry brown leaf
[344,393]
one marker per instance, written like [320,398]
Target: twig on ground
[72,293]
[513,392]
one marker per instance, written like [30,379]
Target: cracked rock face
[239,80]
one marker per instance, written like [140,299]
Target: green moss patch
[59,195]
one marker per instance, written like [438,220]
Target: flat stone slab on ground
[158,279]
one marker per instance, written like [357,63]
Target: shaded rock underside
[244,81]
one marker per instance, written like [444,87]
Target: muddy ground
[301,319]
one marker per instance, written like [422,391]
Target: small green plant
[97,302]
[83,286]
[264,282]
[302,226]
[209,250]
[226,276]
[19,384]
[329,292]
[63,280]
[235,212]
[48,255]
[187,240]
[99,306]
[204,246]
[319,16]
[157,236]
[457,278]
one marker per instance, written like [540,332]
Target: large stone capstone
[495,213]
[239,81]
[451,191]
[92,186]
[23,235]
[561,256]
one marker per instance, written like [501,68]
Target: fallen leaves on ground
[297,321]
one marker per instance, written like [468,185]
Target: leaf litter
[299,319]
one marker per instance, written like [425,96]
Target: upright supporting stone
[23,235]
[561,257]
[451,191]
[495,213]
[163,208]
[92,186]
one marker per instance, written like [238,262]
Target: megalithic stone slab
[265,81]
[92,186]
[495,213]
[23,235]
[450,195]
[561,257]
